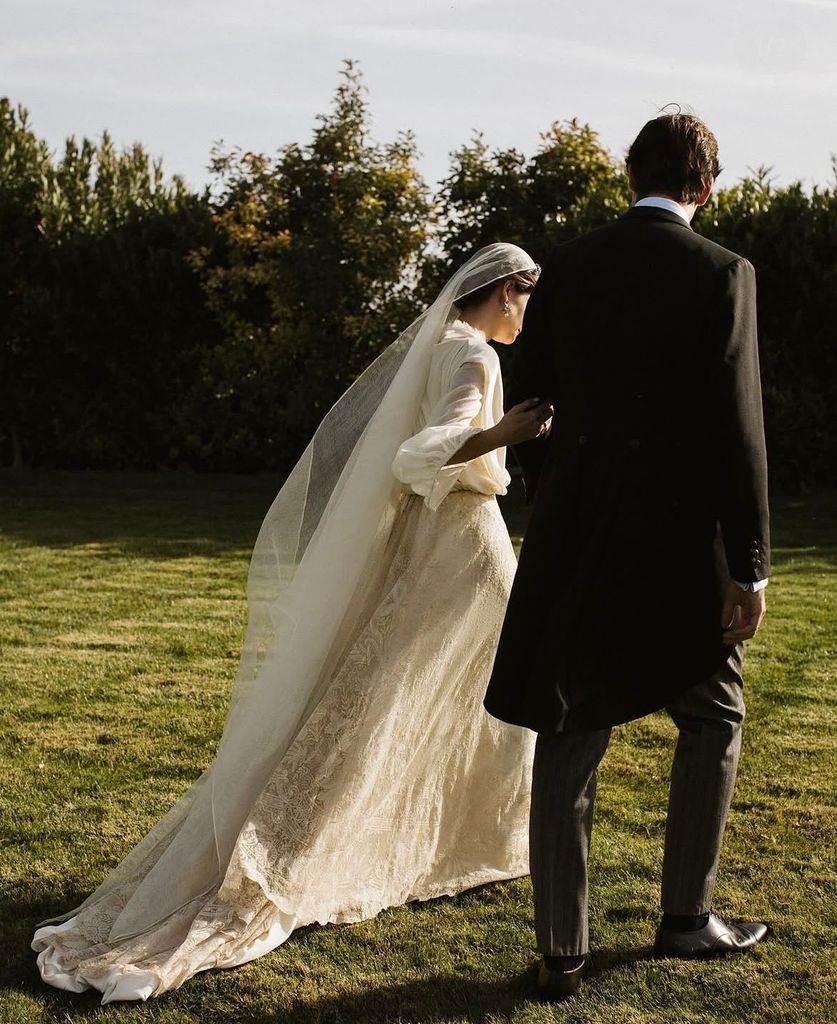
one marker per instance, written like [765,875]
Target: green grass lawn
[121,613]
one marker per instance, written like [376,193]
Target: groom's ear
[703,198]
[631,184]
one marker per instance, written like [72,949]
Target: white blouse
[464,395]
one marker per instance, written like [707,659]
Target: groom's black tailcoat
[650,491]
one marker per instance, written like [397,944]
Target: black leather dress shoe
[555,986]
[717,938]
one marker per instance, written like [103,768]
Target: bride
[357,769]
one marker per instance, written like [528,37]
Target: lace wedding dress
[397,786]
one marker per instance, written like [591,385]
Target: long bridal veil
[325,528]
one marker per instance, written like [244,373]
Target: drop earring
[506,309]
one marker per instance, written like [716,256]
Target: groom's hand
[742,613]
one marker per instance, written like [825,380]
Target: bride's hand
[525,421]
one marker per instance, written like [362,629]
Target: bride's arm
[432,460]
[522,422]
[424,461]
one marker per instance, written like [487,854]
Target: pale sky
[177,75]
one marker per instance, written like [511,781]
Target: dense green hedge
[142,324]
[790,237]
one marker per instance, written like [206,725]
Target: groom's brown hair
[674,155]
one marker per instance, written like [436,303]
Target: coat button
[639,394]
[634,442]
[582,439]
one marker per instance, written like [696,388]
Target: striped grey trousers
[708,717]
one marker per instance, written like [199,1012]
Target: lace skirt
[398,785]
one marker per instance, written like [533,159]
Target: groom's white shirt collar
[665,204]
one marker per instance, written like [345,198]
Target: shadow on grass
[423,1001]
[150,515]
[435,998]
[174,515]
[153,515]
[426,1000]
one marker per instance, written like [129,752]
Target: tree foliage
[142,323]
[24,169]
[571,184]
[106,304]
[790,236]
[309,278]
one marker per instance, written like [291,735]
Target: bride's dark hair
[523,281]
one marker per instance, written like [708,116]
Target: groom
[643,566]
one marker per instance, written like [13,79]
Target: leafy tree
[24,168]
[570,185]
[144,324]
[309,280]
[125,307]
[790,236]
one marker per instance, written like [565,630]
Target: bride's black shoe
[556,985]
[716,938]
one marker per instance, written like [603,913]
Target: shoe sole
[707,955]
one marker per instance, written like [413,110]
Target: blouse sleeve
[420,461]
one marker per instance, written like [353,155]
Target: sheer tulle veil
[329,522]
